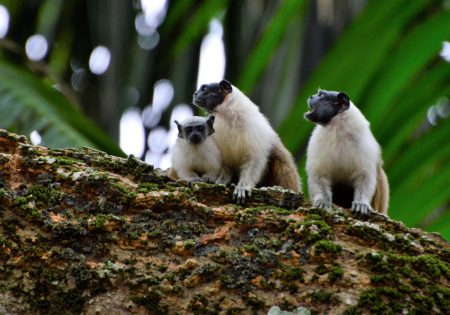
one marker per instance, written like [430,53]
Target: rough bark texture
[84,232]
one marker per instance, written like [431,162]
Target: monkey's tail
[380,199]
[282,170]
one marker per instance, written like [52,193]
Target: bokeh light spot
[432,115]
[443,107]
[445,51]
[150,117]
[36,47]
[212,55]
[132,133]
[99,60]
[163,92]
[141,25]
[4,21]
[78,79]
[35,137]
[155,12]
[165,161]
[157,140]
[148,42]
[153,158]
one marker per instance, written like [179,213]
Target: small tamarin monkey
[343,158]
[195,156]
[252,151]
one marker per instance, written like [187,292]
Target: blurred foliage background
[69,70]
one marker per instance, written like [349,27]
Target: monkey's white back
[242,130]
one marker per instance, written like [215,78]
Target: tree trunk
[83,232]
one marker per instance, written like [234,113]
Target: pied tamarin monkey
[195,156]
[252,152]
[344,164]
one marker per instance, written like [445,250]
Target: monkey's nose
[195,139]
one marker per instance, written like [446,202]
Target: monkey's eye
[188,129]
[320,94]
[203,88]
[201,128]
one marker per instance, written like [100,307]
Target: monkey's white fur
[196,162]
[344,151]
[245,139]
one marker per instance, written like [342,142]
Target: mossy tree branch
[85,232]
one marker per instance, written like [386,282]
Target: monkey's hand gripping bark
[250,174]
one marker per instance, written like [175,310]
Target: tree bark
[82,232]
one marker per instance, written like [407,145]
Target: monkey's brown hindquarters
[380,200]
[282,170]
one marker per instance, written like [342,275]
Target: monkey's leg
[364,190]
[250,175]
[320,191]
[189,175]
[224,177]
[211,176]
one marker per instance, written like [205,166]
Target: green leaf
[276,29]
[405,62]
[421,176]
[417,154]
[410,109]
[414,199]
[27,104]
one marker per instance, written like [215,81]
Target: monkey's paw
[361,208]
[194,180]
[221,182]
[209,179]
[241,192]
[322,204]
[223,179]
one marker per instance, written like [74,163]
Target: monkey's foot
[361,208]
[209,179]
[194,180]
[222,182]
[241,192]
[322,204]
[224,178]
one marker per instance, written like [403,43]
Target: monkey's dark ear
[210,122]
[180,129]
[226,86]
[343,102]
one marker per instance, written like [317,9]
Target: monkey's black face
[195,134]
[325,105]
[209,96]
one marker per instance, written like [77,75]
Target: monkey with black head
[344,164]
[195,156]
[252,153]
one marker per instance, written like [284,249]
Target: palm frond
[27,104]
